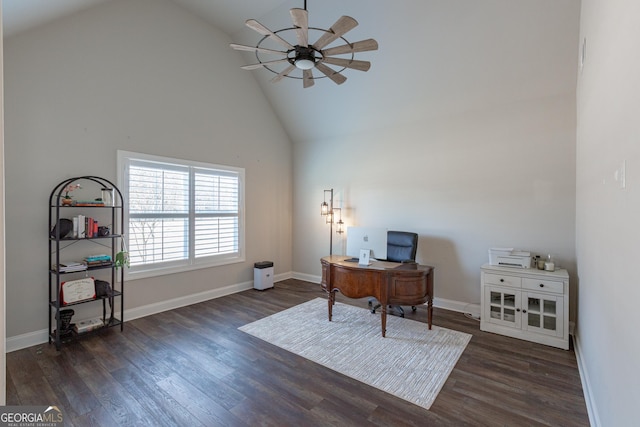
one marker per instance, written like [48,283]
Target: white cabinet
[527,303]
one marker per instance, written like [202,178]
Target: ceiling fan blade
[337,30]
[283,74]
[348,63]
[256,26]
[307,78]
[300,18]
[263,64]
[256,49]
[361,46]
[332,74]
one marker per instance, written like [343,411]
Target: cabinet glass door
[543,314]
[502,308]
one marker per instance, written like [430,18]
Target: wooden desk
[391,283]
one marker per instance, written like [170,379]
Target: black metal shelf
[58,243]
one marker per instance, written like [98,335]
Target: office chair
[401,247]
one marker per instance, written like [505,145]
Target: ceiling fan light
[304,63]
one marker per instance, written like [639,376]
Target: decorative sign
[77,290]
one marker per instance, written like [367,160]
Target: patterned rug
[412,362]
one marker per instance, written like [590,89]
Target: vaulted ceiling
[436,57]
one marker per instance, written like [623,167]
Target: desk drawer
[408,290]
[543,285]
[356,283]
[502,280]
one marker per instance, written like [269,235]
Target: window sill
[130,275]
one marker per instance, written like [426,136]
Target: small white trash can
[263,275]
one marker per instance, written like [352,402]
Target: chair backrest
[401,246]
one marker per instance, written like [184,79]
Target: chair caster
[414,308]
[373,305]
[395,310]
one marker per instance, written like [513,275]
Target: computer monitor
[372,238]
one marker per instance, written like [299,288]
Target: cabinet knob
[524,311]
[518,310]
[502,280]
[542,285]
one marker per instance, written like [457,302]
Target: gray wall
[607,227]
[142,76]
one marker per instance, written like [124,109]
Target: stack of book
[88,325]
[98,260]
[70,267]
[84,227]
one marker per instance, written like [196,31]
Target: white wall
[607,230]
[144,76]
[500,177]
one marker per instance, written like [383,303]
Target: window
[180,215]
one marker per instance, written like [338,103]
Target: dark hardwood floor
[192,367]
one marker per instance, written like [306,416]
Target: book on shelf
[89,225]
[78,226]
[98,260]
[98,203]
[88,325]
[98,264]
[69,267]
[103,257]
[84,227]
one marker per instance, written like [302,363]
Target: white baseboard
[459,306]
[592,410]
[147,310]
[29,339]
[307,277]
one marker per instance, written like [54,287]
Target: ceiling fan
[303,56]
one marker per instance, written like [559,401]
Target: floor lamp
[328,211]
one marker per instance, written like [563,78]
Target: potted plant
[122,257]
[66,199]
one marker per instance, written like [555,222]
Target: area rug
[412,362]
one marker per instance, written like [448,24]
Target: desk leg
[429,311]
[330,301]
[383,319]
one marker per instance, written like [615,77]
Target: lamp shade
[304,64]
[324,208]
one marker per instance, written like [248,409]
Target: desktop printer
[509,257]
